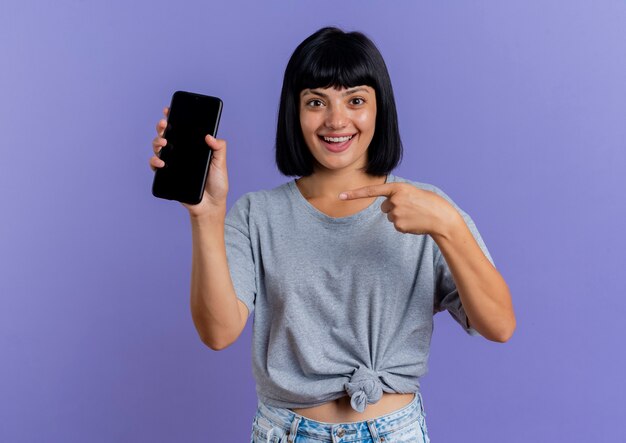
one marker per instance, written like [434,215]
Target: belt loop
[270,434]
[293,431]
[421,403]
[373,430]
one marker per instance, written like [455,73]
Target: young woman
[344,266]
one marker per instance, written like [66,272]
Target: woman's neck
[328,185]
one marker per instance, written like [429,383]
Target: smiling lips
[336,142]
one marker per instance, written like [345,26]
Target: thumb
[218,146]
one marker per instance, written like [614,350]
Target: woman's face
[338,125]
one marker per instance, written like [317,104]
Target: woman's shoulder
[421,185]
[262,196]
[257,201]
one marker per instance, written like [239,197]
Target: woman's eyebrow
[321,94]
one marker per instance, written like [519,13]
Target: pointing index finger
[368,191]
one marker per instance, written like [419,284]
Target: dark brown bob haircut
[334,58]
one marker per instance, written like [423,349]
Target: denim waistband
[296,424]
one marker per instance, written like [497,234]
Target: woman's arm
[483,292]
[219,317]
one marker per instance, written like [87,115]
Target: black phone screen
[191,117]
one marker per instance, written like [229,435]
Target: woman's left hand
[410,209]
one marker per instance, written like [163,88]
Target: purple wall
[516,109]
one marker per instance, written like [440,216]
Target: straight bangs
[332,65]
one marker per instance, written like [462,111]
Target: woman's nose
[336,117]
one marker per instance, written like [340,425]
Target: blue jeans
[280,425]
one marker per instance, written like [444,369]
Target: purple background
[516,109]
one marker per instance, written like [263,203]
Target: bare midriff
[340,410]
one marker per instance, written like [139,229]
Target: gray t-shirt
[342,306]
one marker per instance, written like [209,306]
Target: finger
[166,111]
[386,206]
[156,162]
[158,143]
[218,143]
[160,127]
[218,148]
[369,191]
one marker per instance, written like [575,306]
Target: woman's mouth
[336,144]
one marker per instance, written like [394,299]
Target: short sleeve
[446,293]
[239,252]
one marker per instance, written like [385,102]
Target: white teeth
[337,139]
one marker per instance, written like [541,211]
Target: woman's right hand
[213,203]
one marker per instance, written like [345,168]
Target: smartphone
[191,117]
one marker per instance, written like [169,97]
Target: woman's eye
[314,103]
[359,100]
